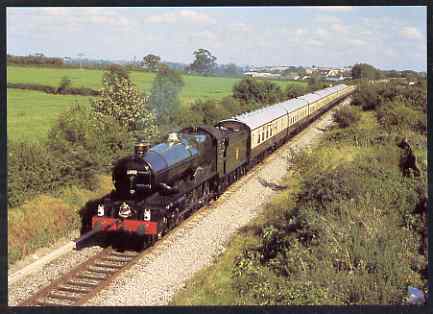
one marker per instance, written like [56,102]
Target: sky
[388,37]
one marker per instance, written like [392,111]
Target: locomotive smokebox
[140,149]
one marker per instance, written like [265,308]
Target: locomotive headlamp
[124,210]
[141,148]
[101,210]
[146,215]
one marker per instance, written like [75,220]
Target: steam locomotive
[158,186]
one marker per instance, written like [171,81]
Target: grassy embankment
[346,231]
[46,218]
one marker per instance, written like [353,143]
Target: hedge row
[84,91]
[78,148]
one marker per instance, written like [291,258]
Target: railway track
[85,280]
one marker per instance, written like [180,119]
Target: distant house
[292,76]
[262,74]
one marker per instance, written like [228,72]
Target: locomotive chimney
[141,148]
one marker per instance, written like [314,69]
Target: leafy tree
[164,98]
[204,62]
[251,90]
[366,71]
[152,62]
[315,83]
[82,145]
[115,72]
[120,99]
[294,90]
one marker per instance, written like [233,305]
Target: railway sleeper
[83,283]
[124,254]
[117,259]
[102,270]
[62,296]
[73,288]
[93,276]
[49,303]
[110,265]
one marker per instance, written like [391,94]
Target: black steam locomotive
[159,186]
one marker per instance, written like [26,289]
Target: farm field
[195,86]
[32,113]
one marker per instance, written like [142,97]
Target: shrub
[366,97]
[295,90]
[65,83]
[32,169]
[251,90]
[84,91]
[399,116]
[164,99]
[347,116]
[84,145]
[121,101]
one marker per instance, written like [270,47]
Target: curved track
[85,280]
[88,278]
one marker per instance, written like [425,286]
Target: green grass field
[32,113]
[195,86]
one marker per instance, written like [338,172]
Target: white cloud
[327,19]
[339,28]
[335,8]
[357,42]
[181,16]
[410,32]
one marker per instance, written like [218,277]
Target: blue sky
[386,37]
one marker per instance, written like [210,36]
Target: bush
[399,116]
[366,97]
[32,169]
[84,91]
[64,84]
[164,99]
[347,116]
[295,90]
[251,90]
[85,146]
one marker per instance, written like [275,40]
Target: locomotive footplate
[109,224]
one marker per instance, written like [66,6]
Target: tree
[315,83]
[152,62]
[294,90]
[252,90]
[164,98]
[114,73]
[204,62]
[365,71]
[119,99]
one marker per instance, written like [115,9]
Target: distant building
[292,76]
[262,74]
